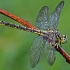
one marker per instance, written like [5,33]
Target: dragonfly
[49,36]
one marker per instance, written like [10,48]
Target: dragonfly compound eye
[64,39]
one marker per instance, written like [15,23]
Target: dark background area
[15,44]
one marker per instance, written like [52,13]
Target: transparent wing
[50,49]
[42,18]
[50,53]
[55,15]
[36,51]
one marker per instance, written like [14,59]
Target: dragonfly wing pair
[43,23]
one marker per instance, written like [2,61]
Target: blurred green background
[15,44]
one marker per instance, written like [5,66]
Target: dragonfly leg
[56,45]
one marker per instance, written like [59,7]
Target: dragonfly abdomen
[39,32]
[36,31]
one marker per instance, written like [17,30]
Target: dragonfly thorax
[61,39]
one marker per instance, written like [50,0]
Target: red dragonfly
[49,36]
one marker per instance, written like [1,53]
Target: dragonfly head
[64,39]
